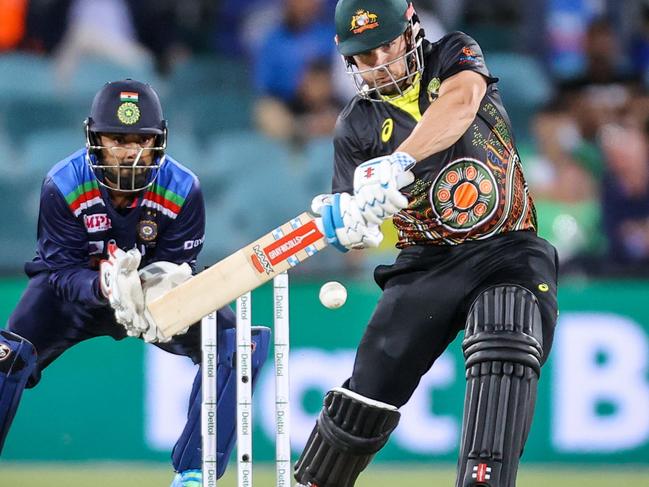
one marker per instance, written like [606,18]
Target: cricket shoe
[188,478]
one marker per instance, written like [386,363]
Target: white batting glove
[120,283]
[343,224]
[157,279]
[377,183]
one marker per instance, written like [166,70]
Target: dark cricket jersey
[473,190]
[77,221]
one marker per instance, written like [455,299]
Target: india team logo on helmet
[363,20]
[128,113]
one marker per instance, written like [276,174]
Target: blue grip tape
[329,226]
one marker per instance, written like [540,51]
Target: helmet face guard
[114,173]
[413,59]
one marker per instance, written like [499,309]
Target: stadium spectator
[311,113]
[605,63]
[101,28]
[568,133]
[559,176]
[303,37]
[625,196]
[12,23]
[639,50]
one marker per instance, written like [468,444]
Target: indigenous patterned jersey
[77,221]
[473,190]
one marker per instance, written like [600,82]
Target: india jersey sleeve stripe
[77,183]
[82,189]
[85,200]
[168,195]
[171,189]
[155,200]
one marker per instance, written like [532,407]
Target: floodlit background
[251,90]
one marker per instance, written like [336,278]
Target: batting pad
[502,349]
[17,361]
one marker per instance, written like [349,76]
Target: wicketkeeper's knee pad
[503,351]
[17,361]
[187,453]
[350,430]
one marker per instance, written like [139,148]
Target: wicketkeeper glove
[120,284]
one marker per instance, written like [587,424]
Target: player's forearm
[440,127]
[78,285]
[449,117]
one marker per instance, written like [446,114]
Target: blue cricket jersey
[77,221]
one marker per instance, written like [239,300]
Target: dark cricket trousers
[426,296]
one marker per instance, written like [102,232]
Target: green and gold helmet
[363,25]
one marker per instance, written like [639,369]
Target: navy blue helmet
[126,107]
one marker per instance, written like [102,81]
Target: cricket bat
[246,269]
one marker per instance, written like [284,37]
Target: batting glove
[377,183]
[342,222]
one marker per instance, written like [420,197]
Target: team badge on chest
[147,230]
[464,195]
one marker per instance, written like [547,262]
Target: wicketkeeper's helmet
[126,107]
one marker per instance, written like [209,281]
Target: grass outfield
[158,475]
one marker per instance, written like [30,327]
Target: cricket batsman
[120,223]
[427,142]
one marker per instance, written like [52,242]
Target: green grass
[159,475]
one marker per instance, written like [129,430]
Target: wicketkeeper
[120,223]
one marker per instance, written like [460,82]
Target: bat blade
[243,271]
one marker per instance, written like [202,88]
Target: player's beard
[392,84]
[389,88]
[124,179]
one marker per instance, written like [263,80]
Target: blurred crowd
[574,77]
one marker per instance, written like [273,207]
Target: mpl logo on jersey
[98,222]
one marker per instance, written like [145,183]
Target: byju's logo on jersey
[193,244]
[464,195]
[99,222]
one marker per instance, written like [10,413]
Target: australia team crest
[363,20]
[464,195]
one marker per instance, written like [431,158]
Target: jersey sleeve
[183,239]
[63,250]
[347,156]
[460,52]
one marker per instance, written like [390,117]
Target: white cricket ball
[333,294]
